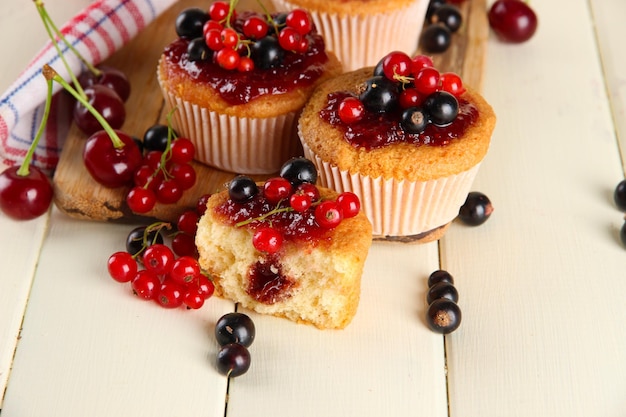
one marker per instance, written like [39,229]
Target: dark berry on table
[198,50]
[442,290]
[190,21]
[449,15]
[25,197]
[441,107]
[233,360]
[443,316]
[242,188]
[619,195]
[433,5]
[414,120]
[438,276]
[298,171]
[512,20]
[267,53]
[436,38]
[476,209]
[155,138]
[235,328]
[379,94]
[138,239]
[622,234]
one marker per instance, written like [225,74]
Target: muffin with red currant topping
[359,32]
[287,247]
[407,139]
[238,80]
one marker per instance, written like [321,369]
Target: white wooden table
[542,284]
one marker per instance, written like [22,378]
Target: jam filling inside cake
[376,130]
[235,87]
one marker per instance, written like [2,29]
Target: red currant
[184,270]
[351,110]
[193,299]
[188,222]
[328,214]
[183,244]
[397,64]
[227,58]
[230,38]
[300,202]
[158,258]
[204,285]
[246,64]
[182,151]
[219,10]
[299,20]
[276,189]
[213,39]
[289,39]
[419,62]
[184,175]
[145,284]
[427,81]
[309,189]
[201,204]
[267,239]
[452,83]
[410,97]
[171,294]
[255,27]
[122,266]
[349,203]
[211,24]
[169,192]
[140,200]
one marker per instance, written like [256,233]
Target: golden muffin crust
[176,81]
[399,160]
[353,7]
[327,275]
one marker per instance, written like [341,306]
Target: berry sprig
[292,193]
[412,87]
[156,273]
[243,43]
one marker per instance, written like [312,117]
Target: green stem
[268,15]
[231,10]
[24,168]
[264,216]
[48,23]
[51,74]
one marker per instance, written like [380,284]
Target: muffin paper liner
[236,144]
[362,40]
[399,207]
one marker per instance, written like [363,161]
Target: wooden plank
[539,282]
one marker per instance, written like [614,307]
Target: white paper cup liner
[362,40]
[399,207]
[236,144]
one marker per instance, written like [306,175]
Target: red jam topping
[296,70]
[379,130]
[267,283]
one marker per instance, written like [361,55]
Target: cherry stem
[48,24]
[24,168]
[51,74]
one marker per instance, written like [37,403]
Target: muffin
[237,96]
[410,147]
[278,258]
[359,32]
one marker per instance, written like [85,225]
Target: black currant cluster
[619,196]
[234,333]
[476,209]
[243,41]
[443,314]
[442,20]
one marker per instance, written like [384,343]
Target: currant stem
[51,74]
[231,10]
[24,168]
[264,216]
[48,23]
[268,15]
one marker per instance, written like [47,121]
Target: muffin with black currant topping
[359,32]
[407,139]
[238,81]
[287,247]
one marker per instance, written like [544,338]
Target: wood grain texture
[79,196]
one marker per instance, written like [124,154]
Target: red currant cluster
[242,42]
[165,172]
[412,85]
[156,273]
[293,193]
[184,240]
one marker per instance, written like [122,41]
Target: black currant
[442,290]
[449,15]
[413,120]
[242,188]
[299,170]
[235,328]
[620,195]
[198,50]
[443,316]
[442,108]
[433,5]
[436,38]
[137,240]
[378,69]
[622,234]
[476,209]
[379,94]
[438,276]
[267,53]
[155,138]
[233,360]
[190,21]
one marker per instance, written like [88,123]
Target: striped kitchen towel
[96,32]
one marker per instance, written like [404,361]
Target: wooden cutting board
[79,196]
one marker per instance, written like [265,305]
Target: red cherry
[350,110]
[110,77]
[110,166]
[146,285]
[267,239]
[512,20]
[106,102]
[122,266]
[328,214]
[349,203]
[25,197]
